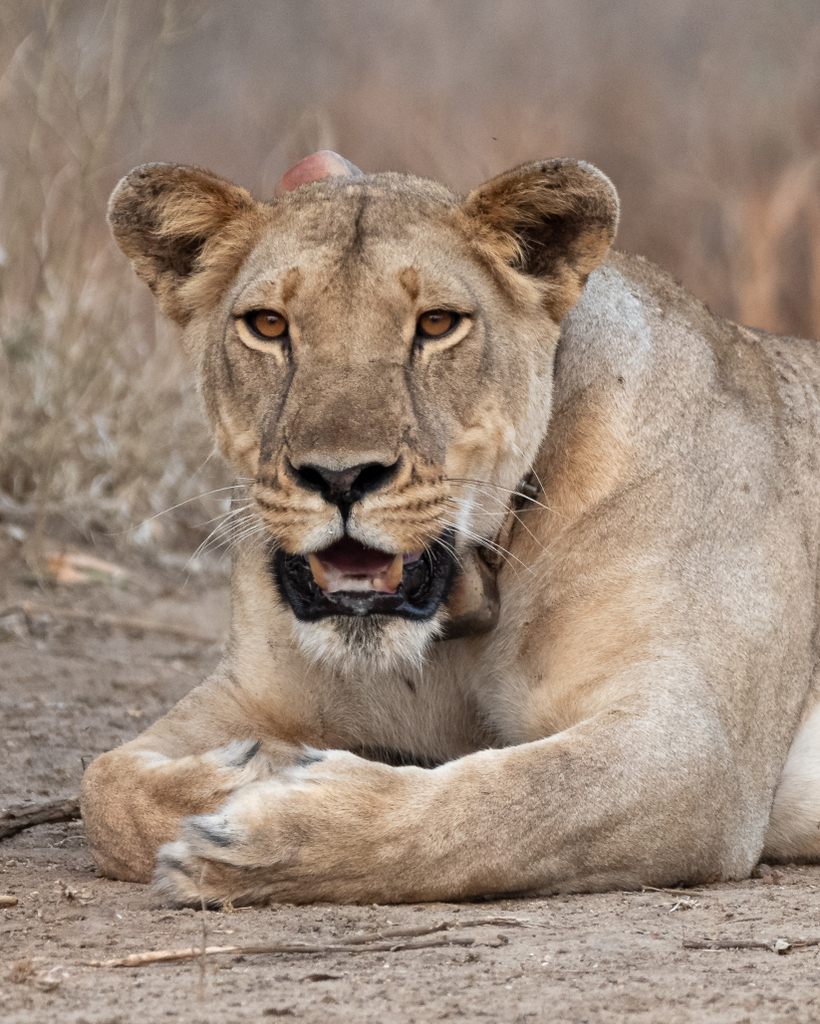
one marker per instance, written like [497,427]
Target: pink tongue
[324,164]
[350,557]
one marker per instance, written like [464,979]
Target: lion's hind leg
[794,825]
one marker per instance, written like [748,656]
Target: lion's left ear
[552,219]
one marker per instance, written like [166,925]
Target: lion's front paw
[186,876]
[178,875]
[226,856]
[280,838]
[242,761]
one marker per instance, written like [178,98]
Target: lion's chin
[373,644]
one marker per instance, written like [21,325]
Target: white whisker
[483,542]
[187,501]
[532,470]
[519,519]
[232,522]
[507,490]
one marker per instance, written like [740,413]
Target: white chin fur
[373,643]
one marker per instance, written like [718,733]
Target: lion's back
[639,334]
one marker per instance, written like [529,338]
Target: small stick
[203,951]
[746,943]
[371,943]
[172,956]
[106,619]
[12,822]
[672,892]
[439,926]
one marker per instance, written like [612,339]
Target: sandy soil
[71,688]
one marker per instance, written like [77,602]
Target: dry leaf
[77,567]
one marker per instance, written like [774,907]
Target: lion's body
[627,719]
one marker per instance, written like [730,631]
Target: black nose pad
[344,487]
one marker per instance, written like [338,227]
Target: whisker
[222,516]
[208,546]
[507,490]
[217,537]
[519,519]
[450,548]
[173,508]
[491,545]
[243,531]
[245,527]
[499,549]
[195,497]
[225,523]
[532,470]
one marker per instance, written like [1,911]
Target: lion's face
[376,356]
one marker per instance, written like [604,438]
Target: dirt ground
[80,673]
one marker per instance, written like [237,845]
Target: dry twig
[14,821]
[29,608]
[375,942]
[774,946]
[672,892]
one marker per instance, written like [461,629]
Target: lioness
[525,568]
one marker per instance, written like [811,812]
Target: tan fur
[627,718]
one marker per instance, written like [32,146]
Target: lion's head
[375,353]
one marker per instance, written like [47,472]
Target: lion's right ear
[176,223]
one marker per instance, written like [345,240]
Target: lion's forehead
[345,214]
[417,265]
[328,238]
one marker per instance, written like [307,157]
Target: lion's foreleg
[134,799]
[605,804]
[189,762]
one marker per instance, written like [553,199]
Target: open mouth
[348,578]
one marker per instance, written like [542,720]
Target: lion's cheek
[237,441]
[483,457]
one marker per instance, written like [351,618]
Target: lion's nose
[344,487]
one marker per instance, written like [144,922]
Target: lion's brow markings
[409,280]
[290,285]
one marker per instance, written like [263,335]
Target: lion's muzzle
[346,486]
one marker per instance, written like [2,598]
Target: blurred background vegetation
[705,113]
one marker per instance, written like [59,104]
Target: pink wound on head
[324,164]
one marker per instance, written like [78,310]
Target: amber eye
[266,324]
[436,323]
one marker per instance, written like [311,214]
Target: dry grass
[98,419]
[706,116]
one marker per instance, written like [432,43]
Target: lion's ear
[553,219]
[167,219]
